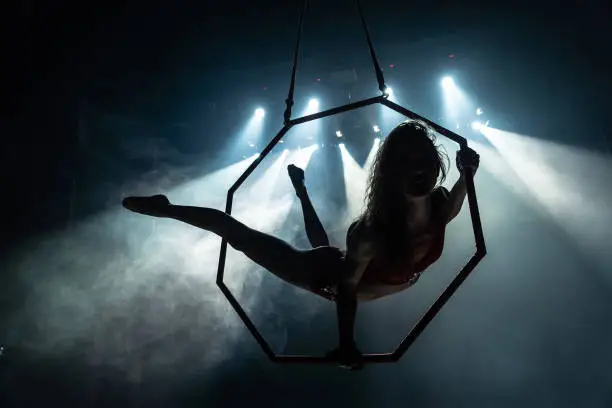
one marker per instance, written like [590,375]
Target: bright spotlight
[447,82]
[477,126]
[388,91]
[260,113]
[256,155]
[251,144]
[377,140]
[376,129]
[313,104]
[341,145]
[338,133]
[311,108]
[479,111]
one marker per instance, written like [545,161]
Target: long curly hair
[386,208]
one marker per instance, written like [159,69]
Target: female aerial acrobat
[398,236]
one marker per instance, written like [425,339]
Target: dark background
[189,73]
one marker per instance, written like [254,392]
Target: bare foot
[297,179]
[154,205]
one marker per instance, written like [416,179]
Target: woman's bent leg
[314,229]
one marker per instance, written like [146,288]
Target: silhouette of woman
[398,236]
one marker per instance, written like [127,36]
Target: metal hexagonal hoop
[433,309]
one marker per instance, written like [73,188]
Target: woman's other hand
[467,159]
[347,356]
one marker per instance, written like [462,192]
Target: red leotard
[379,271]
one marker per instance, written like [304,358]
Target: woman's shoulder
[441,200]
[441,192]
[358,228]
[359,235]
[440,197]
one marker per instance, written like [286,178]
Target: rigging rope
[289,100]
[379,74]
[378,71]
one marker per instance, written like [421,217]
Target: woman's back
[425,246]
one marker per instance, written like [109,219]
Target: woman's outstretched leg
[314,229]
[277,256]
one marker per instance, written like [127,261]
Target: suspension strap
[289,100]
[379,74]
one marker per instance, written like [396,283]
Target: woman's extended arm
[346,301]
[346,310]
[359,254]
[466,158]
[457,197]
